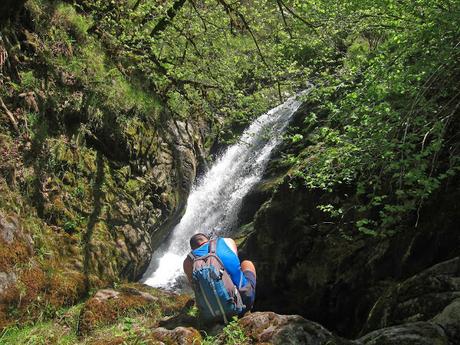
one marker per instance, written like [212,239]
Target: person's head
[197,240]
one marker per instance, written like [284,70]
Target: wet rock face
[177,165]
[150,196]
[160,185]
[15,247]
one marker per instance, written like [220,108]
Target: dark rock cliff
[350,284]
[315,271]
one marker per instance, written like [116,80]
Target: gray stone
[135,292]
[6,279]
[449,320]
[8,229]
[417,333]
[418,298]
[106,294]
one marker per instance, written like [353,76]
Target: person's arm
[188,268]
[231,244]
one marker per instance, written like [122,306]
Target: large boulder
[271,328]
[449,320]
[418,333]
[108,306]
[419,298]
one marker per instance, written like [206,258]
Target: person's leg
[247,265]
[248,292]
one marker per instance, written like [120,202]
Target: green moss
[35,8]
[129,96]
[243,233]
[47,333]
[193,311]
[28,81]
[50,178]
[132,186]
[232,334]
[66,17]
[93,60]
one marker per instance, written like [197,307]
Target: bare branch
[280,7]
[205,27]
[230,10]
[291,11]
[10,115]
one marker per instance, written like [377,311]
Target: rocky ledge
[170,319]
[138,314]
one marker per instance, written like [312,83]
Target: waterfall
[214,202]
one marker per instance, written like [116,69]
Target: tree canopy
[383,114]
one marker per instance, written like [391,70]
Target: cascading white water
[216,199]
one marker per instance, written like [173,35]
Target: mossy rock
[15,243]
[34,279]
[109,306]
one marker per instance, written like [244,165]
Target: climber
[241,277]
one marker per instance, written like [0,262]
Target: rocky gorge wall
[92,175]
[350,283]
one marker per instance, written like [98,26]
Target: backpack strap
[212,246]
[191,256]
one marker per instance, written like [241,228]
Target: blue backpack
[217,298]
